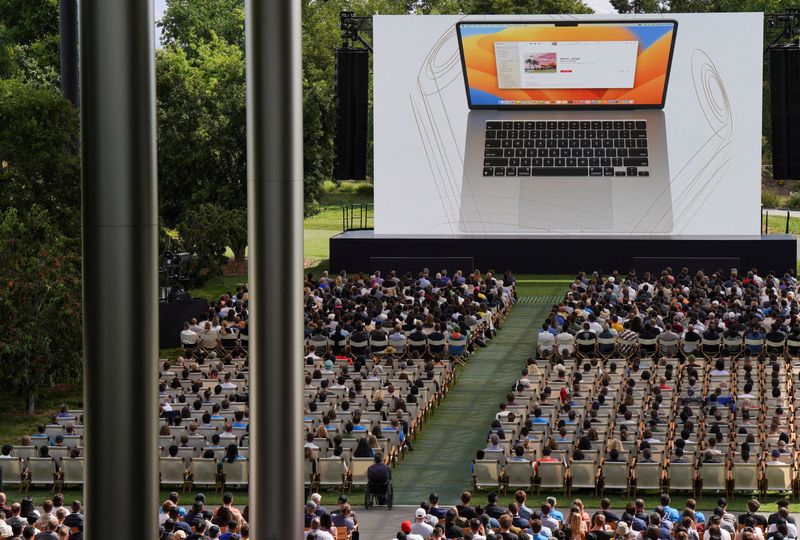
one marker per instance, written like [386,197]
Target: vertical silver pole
[120,295]
[275,240]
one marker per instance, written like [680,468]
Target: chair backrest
[714,476]
[358,470]
[616,474]
[778,476]
[746,476]
[520,473]
[24,452]
[204,471]
[331,471]
[648,475]
[236,472]
[171,469]
[12,470]
[681,476]
[486,472]
[583,473]
[41,469]
[73,470]
[551,474]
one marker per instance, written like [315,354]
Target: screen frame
[557,23]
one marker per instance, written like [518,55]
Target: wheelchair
[379,495]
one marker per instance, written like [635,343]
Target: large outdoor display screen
[586,64]
[568,125]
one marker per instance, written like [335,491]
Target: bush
[770,199]
[794,200]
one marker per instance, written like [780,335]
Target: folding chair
[550,475]
[647,476]
[713,477]
[519,474]
[778,477]
[72,469]
[616,475]
[235,473]
[486,474]
[42,471]
[172,471]
[12,471]
[582,475]
[330,473]
[746,477]
[204,472]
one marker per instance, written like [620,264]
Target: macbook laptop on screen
[566,130]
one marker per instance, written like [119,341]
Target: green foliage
[793,201]
[203,232]
[36,141]
[40,303]
[770,199]
[188,22]
[523,7]
[236,223]
[201,118]
[29,20]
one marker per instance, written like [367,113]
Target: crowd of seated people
[671,381]
[520,520]
[52,520]
[380,356]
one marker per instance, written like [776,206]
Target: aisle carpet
[457,429]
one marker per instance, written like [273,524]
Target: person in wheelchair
[379,479]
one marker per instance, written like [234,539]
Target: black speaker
[351,77]
[784,65]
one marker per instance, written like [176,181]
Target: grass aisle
[447,444]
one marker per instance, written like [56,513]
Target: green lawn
[14,423]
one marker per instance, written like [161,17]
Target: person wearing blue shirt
[537,417]
[670,513]
[553,512]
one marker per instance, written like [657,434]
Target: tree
[40,303]
[29,41]
[188,22]
[201,119]
[524,7]
[36,143]
[236,223]
[203,232]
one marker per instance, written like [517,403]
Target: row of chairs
[630,478]
[202,472]
[42,471]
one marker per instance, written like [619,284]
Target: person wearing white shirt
[545,341]
[325,535]
[420,526]
[188,336]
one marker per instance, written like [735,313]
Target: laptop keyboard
[566,148]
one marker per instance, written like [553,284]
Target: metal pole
[68,22]
[275,232]
[788,215]
[120,293]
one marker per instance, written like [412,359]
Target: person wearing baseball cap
[405,527]
[420,527]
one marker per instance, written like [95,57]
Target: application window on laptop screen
[549,64]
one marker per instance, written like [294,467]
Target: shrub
[770,199]
[794,200]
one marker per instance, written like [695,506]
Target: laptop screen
[566,64]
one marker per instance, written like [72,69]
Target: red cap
[405,526]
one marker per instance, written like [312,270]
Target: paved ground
[457,429]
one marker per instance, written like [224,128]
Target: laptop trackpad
[553,204]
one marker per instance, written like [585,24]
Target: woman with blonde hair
[575,528]
[582,509]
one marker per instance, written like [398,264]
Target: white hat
[420,513]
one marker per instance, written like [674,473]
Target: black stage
[363,251]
